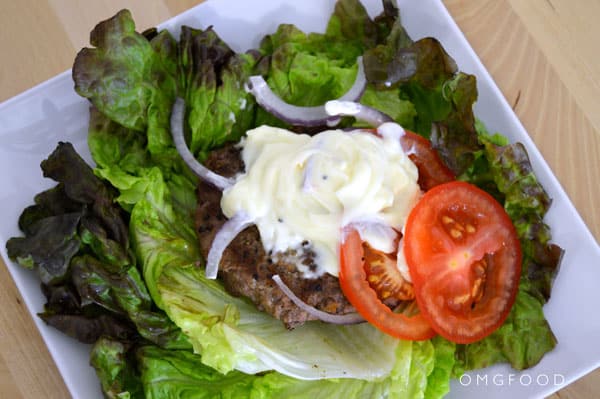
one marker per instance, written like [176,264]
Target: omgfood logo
[523,379]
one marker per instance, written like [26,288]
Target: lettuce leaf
[526,202]
[390,102]
[161,236]
[212,77]
[308,69]
[522,340]
[438,381]
[418,368]
[123,75]
[123,157]
[181,374]
[91,282]
[230,333]
[48,247]
[125,295]
[79,210]
[116,369]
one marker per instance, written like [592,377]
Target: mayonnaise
[302,190]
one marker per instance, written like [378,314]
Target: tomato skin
[354,284]
[464,258]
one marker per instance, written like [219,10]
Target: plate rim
[529,144]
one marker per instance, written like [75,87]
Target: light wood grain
[542,53]
[541,98]
[573,50]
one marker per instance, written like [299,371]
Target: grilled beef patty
[247,271]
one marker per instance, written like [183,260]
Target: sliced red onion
[177,116]
[362,112]
[350,318]
[298,115]
[223,238]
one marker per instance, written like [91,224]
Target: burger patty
[247,270]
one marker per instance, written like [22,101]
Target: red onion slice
[362,112]
[350,318]
[223,238]
[177,115]
[303,116]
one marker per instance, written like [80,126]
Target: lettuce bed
[115,246]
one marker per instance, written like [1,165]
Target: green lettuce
[526,202]
[154,224]
[123,158]
[212,77]
[438,381]
[181,374]
[308,69]
[521,341]
[422,371]
[230,333]
[301,71]
[115,366]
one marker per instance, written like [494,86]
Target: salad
[116,248]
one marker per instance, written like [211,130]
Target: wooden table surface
[543,55]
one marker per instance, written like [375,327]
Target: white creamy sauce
[401,262]
[301,191]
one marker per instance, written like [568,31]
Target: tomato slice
[464,259]
[353,280]
[432,170]
[384,277]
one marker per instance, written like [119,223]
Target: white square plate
[33,122]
